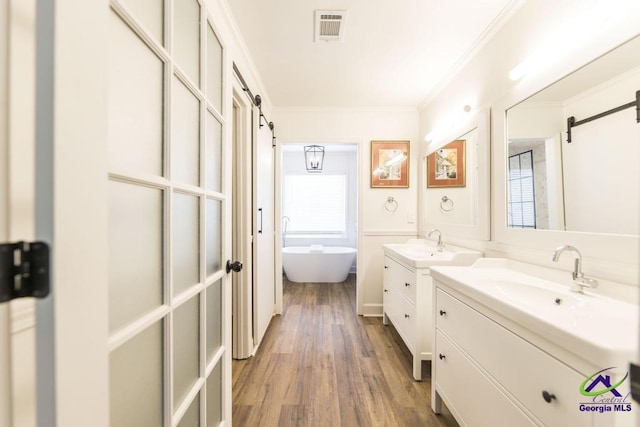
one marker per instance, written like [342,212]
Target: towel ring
[391,205]
[446,203]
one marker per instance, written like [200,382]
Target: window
[315,204]
[522,205]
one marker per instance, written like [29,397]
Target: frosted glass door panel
[136,380]
[185,135]
[150,14]
[214,393]
[214,236]
[135,92]
[191,418]
[135,252]
[214,69]
[213,150]
[186,349]
[186,242]
[214,319]
[186,37]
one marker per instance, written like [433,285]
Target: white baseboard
[372,310]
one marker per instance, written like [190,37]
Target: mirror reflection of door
[597,171]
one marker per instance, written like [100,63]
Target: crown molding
[498,22]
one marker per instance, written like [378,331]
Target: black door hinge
[24,270]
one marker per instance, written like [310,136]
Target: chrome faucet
[579,281]
[285,221]
[439,245]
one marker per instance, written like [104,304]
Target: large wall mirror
[592,183]
[455,180]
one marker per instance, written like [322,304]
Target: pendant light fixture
[314,158]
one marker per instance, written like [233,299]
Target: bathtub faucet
[579,281]
[440,245]
[285,221]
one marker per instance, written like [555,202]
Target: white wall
[484,79]
[375,225]
[463,208]
[535,120]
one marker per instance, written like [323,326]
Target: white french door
[132,177]
[169,216]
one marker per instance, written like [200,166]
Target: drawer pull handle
[548,397]
[386,266]
[442,312]
[407,285]
[406,316]
[441,356]
[386,290]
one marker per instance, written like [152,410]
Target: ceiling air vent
[330,25]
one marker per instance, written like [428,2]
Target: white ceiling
[395,53]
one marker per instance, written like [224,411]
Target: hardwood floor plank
[294,415]
[320,364]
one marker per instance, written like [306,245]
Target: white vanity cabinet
[407,304]
[489,375]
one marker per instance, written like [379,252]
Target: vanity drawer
[469,394]
[403,316]
[517,365]
[400,278]
[407,284]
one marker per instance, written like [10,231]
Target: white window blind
[522,205]
[315,204]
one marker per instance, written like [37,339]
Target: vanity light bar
[571,121]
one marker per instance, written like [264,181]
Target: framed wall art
[446,167]
[389,164]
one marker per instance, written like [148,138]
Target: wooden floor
[320,364]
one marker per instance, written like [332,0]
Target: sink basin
[419,253]
[603,328]
[528,294]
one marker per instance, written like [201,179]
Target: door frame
[278,215]
[5,324]
[72,110]
[242,325]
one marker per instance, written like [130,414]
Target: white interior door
[169,217]
[264,206]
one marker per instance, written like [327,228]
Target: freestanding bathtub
[322,265]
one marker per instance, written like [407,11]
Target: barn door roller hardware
[571,121]
[257,101]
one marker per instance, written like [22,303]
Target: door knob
[235,266]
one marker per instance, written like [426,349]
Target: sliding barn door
[264,206]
